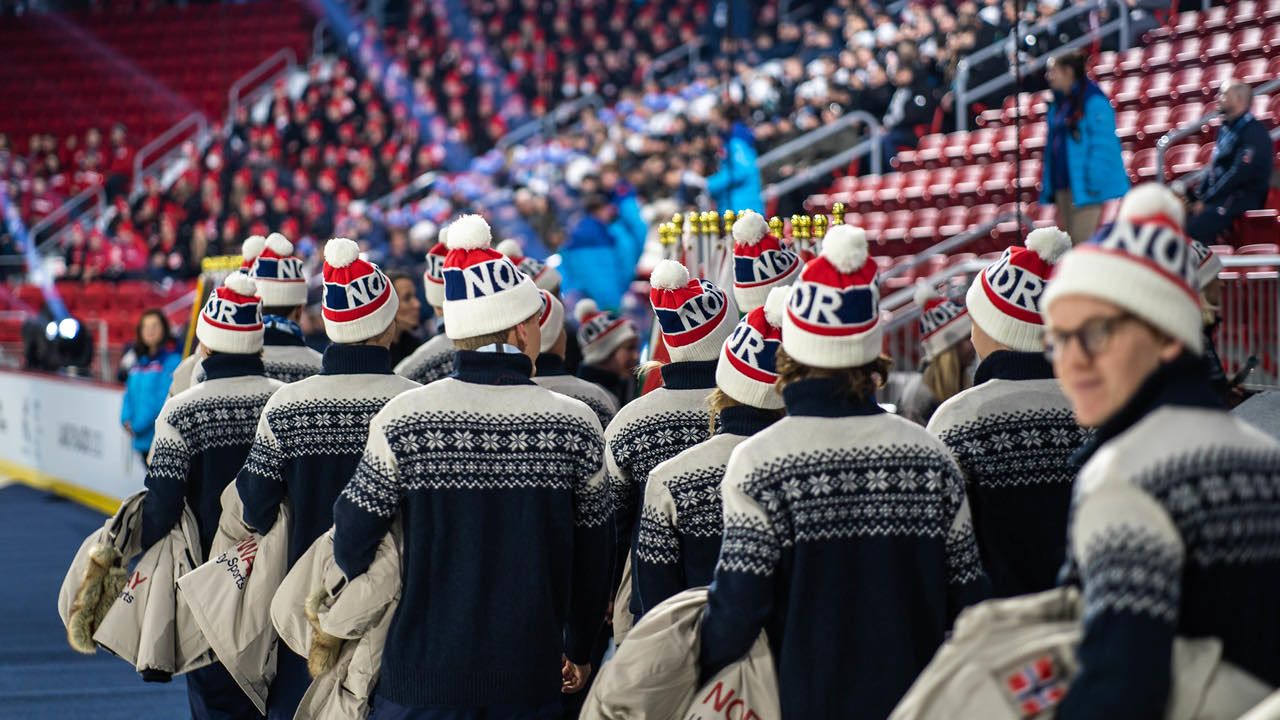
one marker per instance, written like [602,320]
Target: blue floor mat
[41,677]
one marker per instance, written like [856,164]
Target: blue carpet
[41,677]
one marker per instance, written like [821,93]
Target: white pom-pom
[669,275]
[252,247]
[241,284]
[279,244]
[775,303]
[1049,243]
[749,228]
[340,252]
[1152,198]
[584,308]
[422,231]
[469,232]
[924,293]
[510,248]
[845,247]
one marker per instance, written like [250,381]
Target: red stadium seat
[968,183]
[1128,91]
[938,191]
[1254,227]
[1130,61]
[929,151]
[915,187]
[1181,159]
[1142,167]
[1153,123]
[1127,125]
[1216,47]
[1247,42]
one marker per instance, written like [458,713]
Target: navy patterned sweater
[1175,530]
[847,539]
[203,436]
[1013,435]
[682,522]
[651,429]
[508,541]
[431,361]
[310,437]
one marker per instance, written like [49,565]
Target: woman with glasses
[1175,517]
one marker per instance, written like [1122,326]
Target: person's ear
[1171,349]
[518,336]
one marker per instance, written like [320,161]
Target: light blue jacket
[145,391]
[1093,161]
[737,184]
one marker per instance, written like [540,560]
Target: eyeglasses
[1094,336]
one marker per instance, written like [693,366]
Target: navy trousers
[214,695]
[384,709]
[291,683]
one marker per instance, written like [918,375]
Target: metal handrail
[955,242]
[963,92]
[234,97]
[547,123]
[662,62]
[790,147]
[905,298]
[64,211]
[396,196]
[1168,139]
[870,146]
[195,119]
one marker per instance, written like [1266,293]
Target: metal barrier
[550,122]
[1251,316]
[963,92]
[259,86]
[1250,310]
[396,197]
[1168,139]
[870,146]
[165,146]
[63,214]
[667,60]
[791,147]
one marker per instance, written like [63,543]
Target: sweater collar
[550,365]
[825,397]
[689,375]
[1180,383]
[355,359]
[745,420]
[1013,365]
[228,365]
[490,368]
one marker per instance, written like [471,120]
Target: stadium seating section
[147,68]
[955,181]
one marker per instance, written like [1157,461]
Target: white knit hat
[551,322]
[542,274]
[760,261]
[1144,265]
[1004,299]
[281,281]
[433,276]
[1209,264]
[600,332]
[231,319]
[359,302]
[833,313]
[943,323]
[483,291]
[747,369]
[250,249]
[694,315]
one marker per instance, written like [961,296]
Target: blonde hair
[479,341]
[945,376]
[719,400]
[859,383]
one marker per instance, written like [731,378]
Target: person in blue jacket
[1082,163]
[1240,171]
[736,186]
[593,262]
[147,386]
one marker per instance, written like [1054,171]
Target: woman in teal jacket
[1082,163]
[147,386]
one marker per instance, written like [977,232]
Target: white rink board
[67,430]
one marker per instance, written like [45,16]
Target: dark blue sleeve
[261,481]
[659,570]
[363,513]
[740,598]
[592,556]
[166,486]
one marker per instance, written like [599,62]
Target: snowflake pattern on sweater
[1013,440]
[1174,529]
[601,401]
[432,361]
